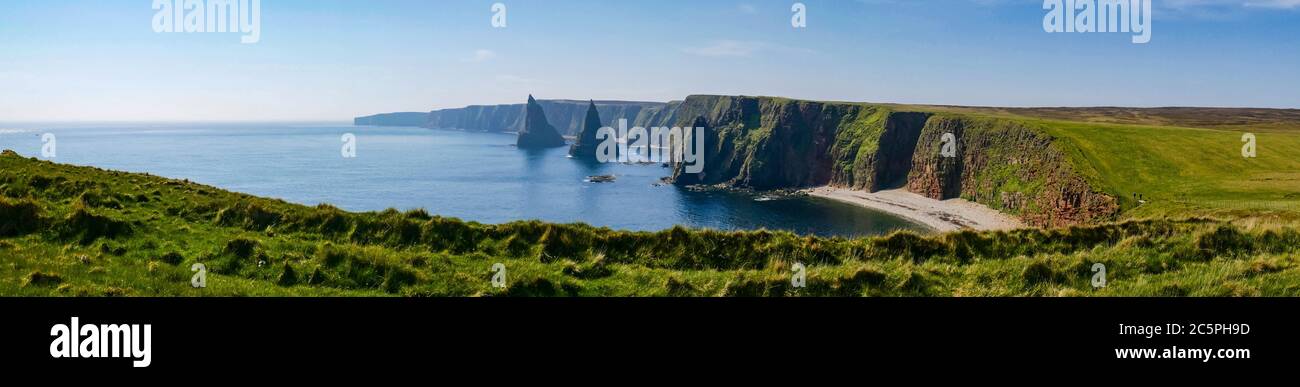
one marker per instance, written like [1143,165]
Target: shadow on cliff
[898,145]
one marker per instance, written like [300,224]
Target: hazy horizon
[349,120]
[78,61]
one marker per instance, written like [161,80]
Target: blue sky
[93,60]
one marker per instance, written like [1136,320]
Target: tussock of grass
[351,266]
[19,217]
[249,216]
[86,226]
[1223,240]
[38,278]
[1040,272]
[241,247]
[909,244]
[759,285]
[96,199]
[596,268]
[541,287]
[172,258]
[288,277]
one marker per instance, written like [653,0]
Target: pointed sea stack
[585,147]
[538,133]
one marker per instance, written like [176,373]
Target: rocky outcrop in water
[537,132]
[585,146]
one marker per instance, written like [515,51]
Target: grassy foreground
[80,231]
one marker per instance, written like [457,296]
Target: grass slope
[80,231]
[1184,171]
[1183,162]
[1235,119]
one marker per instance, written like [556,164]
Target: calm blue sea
[473,176]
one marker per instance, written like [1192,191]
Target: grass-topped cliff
[1025,162]
[81,231]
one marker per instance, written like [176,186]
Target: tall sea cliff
[1006,164]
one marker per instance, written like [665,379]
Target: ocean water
[473,176]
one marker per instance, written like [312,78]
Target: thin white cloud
[726,48]
[1222,9]
[1286,4]
[510,79]
[1185,5]
[748,8]
[481,55]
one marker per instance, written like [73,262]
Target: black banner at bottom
[659,335]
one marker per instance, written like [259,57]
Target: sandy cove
[941,215]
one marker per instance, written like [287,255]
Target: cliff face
[538,133]
[711,150]
[393,119]
[770,143]
[1007,166]
[873,150]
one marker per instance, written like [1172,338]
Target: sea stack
[585,147]
[538,133]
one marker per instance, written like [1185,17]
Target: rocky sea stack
[585,147]
[537,132]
